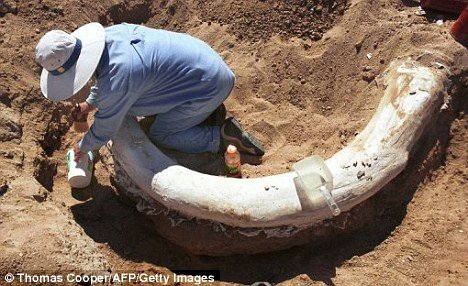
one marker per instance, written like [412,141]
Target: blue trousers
[180,129]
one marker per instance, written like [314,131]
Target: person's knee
[158,137]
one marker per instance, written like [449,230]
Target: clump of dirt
[133,12]
[260,19]
[7,6]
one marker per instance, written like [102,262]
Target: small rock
[440,22]
[420,12]
[368,76]
[358,46]
[267,188]
[361,174]
[316,36]
[369,56]
[3,187]
[439,65]
[8,6]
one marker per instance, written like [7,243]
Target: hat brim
[63,86]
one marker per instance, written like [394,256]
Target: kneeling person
[140,72]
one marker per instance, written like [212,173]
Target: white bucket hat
[69,60]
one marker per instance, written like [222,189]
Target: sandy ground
[305,85]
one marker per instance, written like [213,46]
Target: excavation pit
[302,89]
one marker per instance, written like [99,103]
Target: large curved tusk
[376,156]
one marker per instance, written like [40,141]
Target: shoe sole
[257,148]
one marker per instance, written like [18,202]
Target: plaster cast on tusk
[376,156]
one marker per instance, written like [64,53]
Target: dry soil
[307,83]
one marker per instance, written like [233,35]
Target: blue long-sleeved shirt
[145,71]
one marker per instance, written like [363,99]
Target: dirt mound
[260,19]
[307,82]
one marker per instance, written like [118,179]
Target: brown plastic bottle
[233,162]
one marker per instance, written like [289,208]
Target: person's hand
[74,112]
[78,154]
[80,111]
[85,108]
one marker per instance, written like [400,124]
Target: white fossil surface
[376,156]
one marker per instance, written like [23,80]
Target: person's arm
[106,123]
[92,97]
[83,109]
[113,106]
